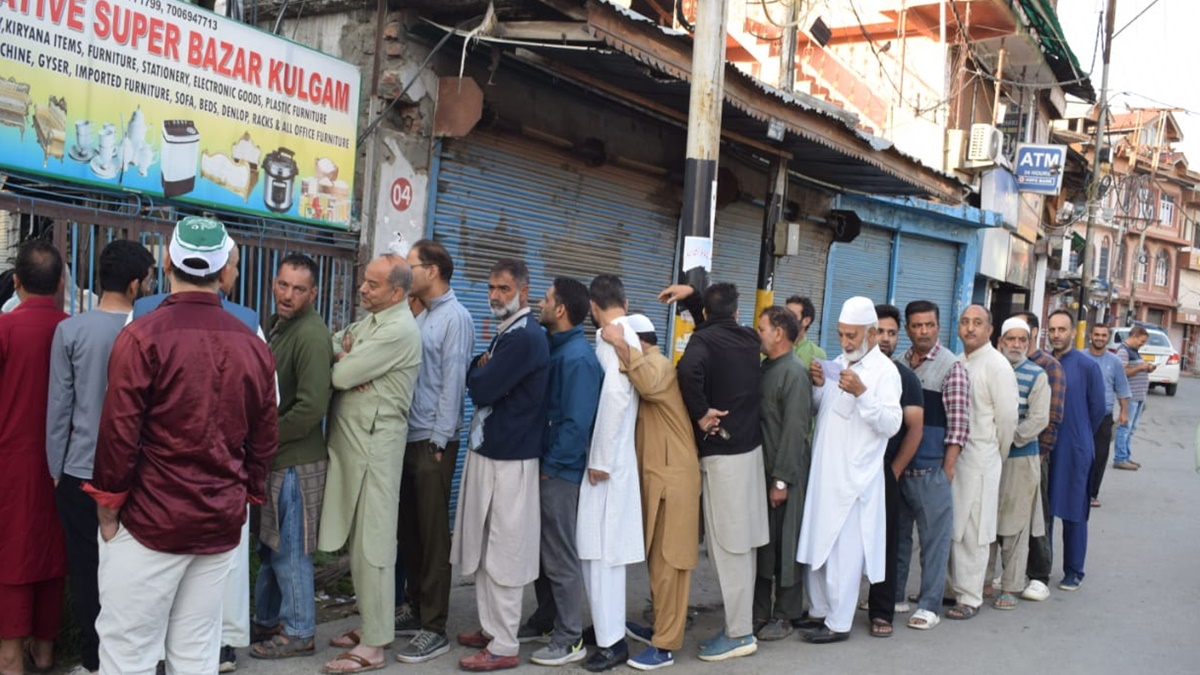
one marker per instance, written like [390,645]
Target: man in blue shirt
[1116,390]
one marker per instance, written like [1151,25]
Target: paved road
[1135,613]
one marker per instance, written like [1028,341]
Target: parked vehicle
[1157,350]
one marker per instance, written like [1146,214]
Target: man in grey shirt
[78,380]
[434,421]
[1116,392]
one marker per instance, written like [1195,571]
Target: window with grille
[1166,211]
[1162,268]
[1143,266]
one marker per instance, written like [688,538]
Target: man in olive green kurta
[373,379]
[785,411]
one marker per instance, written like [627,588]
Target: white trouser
[151,600]
[235,607]
[833,587]
[606,595]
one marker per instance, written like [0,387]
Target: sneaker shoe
[1070,583]
[636,631]
[708,641]
[484,661]
[528,633]
[555,654]
[775,629]
[426,646]
[474,640]
[728,648]
[1126,466]
[1035,591]
[607,658]
[1137,464]
[408,624]
[651,658]
[228,661]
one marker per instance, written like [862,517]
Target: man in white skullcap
[857,397]
[1021,476]
[976,485]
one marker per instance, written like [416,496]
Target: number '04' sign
[402,194]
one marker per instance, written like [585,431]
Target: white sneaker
[80,670]
[1036,591]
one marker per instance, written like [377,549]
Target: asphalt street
[1136,611]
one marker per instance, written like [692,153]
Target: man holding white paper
[857,397]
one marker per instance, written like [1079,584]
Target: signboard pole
[1085,276]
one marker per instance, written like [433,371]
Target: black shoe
[606,658]
[824,636]
[589,636]
[809,623]
[228,661]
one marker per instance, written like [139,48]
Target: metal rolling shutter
[509,197]
[737,238]
[860,267]
[804,274]
[927,270]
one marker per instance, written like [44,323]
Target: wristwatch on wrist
[780,485]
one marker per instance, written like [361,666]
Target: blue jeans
[284,588]
[1125,432]
[925,500]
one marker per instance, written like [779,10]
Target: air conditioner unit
[986,145]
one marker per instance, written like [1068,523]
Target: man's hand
[363,388]
[817,373]
[347,341]
[676,293]
[776,497]
[896,470]
[55,482]
[948,469]
[711,420]
[1151,367]
[613,334]
[849,382]
[1123,418]
[596,476]
[108,522]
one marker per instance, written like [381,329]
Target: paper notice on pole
[697,252]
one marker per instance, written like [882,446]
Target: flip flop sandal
[923,619]
[33,666]
[1006,601]
[961,612]
[363,664]
[282,647]
[347,640]
[880,628]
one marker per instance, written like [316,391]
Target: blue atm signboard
[1039,168]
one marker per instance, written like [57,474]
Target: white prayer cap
[640,323]
[858,311]
[1014,322]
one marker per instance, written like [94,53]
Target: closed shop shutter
[927,269]
[860,267]
[499,196]
[737,238]
[804,274]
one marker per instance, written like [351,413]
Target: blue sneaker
[727,648]
[636,631]
[708,641]
[651,658]
[1071,583]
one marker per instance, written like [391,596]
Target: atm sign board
[1039,168]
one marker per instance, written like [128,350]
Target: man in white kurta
[610,496]
[857,396]
[976,484]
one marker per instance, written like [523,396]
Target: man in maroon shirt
[186,437]
[33,561]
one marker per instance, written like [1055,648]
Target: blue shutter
[509,197]
[860,267]
[736,240]
[804,274]
[927,269]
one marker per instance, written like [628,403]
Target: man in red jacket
[33,562]
[186,437]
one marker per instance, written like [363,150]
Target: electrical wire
[771,21]
[1139,15]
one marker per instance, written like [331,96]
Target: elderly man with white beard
[857,397]
[1021,476]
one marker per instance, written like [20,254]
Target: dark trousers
[881,599]
[77,511]
[1041,549]
[424,531]
[1103,440]
[559,586]
[773,600]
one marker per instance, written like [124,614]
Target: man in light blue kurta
[377,363]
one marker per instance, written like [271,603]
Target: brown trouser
[424,531]
[668,590]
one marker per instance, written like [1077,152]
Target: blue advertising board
[1039,168]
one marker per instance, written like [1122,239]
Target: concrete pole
[703,151]
[1093,203]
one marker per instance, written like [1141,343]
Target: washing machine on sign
[180,152]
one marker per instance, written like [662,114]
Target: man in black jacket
[719,378]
